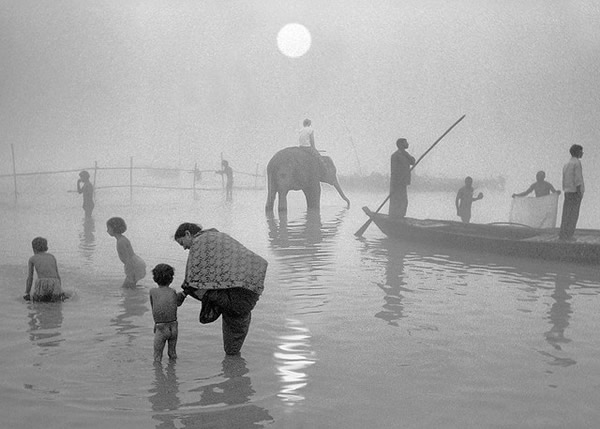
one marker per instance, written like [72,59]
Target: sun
[293,40]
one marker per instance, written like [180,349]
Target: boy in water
[464,200]
[85,187]
[164,302]
[48,285]
[135,267]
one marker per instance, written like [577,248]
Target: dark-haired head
[575,150]
[163,274]
[402,143]
[117,224]
[39,244]
[193,229]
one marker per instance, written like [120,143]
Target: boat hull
[505,239]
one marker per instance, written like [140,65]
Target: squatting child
[135,267]
[47,285]
[164,302]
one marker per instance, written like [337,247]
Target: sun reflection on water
[292,358]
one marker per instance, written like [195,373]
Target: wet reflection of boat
[509,239]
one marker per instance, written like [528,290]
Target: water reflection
[394,284]
[293,357]
[560,312]
[134,304]
[87,240]
[163,396]
[45,321]
[227,403]
[306,251]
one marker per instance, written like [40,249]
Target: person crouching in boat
[464,200]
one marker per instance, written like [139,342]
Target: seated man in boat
[540,187]
[464,200]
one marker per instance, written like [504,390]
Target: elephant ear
[327,170]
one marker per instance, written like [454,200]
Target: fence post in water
[95,172]
[12,149]
[194,183]
[130,179]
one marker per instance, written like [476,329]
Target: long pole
[12,149]
[363,228]
[130,179]
[194,183]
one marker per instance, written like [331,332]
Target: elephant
[299,169]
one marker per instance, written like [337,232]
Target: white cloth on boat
[537,212]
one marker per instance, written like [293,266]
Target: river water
[349,333]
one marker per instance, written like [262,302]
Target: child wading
[464,200]
[48,285]
[164,302]
[135,267]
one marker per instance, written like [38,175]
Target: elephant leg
[271,193]
[270,202]
[313,197]
[282,202]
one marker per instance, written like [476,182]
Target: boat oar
[363,228]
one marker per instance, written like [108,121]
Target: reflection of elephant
[299,169]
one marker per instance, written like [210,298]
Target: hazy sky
[173,82]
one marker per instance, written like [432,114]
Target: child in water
[464,200]
[135,267]
[48,285]
[164,302]
[85,187]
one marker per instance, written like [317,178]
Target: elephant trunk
[338,188]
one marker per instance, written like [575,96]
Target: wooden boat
[504,238]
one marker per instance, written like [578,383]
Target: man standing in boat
[401,162]
[573,189]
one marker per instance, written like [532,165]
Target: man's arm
[527,192]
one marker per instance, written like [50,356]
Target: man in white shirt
[573,188]
[307,138]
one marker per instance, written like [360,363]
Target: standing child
[135,267]
[464,200]
[85,187]
[164,302]
[47,286]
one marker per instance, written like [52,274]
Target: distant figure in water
[47,285]
[573,187]
[135,267]
[540,187]
[85,187]
[228,172]
[225,276]
[400,163]
[164,302]
[464,200]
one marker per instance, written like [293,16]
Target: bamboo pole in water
[130,179]
[12,149]
[194,183]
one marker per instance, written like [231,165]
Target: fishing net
[537,212]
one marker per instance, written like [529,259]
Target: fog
[175,83]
